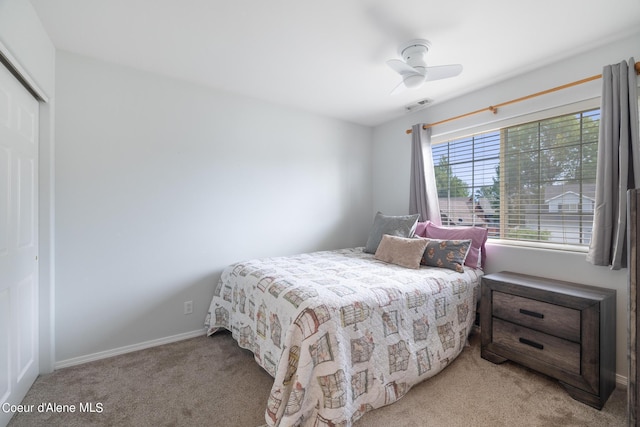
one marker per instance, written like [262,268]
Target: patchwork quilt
[341,332]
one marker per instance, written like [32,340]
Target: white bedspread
[341,332]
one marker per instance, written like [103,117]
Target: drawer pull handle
[531,343]
[532,313]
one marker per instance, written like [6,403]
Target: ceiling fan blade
[443,71]
[399,89]
[401,67]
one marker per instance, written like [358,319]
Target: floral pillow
[478,236]
[449,254]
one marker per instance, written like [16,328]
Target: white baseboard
[127,349]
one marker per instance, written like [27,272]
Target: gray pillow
[401,226]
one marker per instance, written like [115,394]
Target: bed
[343,332]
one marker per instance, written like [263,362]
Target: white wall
[160,184]
[26,40]
[27,47]
[392,153]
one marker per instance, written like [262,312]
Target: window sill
[539,245]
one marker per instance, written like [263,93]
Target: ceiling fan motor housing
[414,53]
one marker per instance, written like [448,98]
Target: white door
[18,242]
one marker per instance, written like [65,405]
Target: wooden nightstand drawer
[553,319]
[557,352]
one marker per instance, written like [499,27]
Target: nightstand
[564,330]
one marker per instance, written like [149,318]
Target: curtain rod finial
[637,67]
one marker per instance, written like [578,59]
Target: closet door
[18,242]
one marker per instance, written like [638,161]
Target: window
[530,182]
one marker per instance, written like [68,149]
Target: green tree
[491,192]
[556,151]
[447,183]
[561,149]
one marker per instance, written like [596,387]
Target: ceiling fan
[414,70]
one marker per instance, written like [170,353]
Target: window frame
[515,120]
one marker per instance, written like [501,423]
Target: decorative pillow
[449,254]
[401,226]
[421,229]
[402,251]
[478,236]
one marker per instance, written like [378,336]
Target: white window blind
[530,182]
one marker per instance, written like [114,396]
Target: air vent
[417,105]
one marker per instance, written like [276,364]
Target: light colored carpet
[211,381]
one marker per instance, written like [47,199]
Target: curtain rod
[494,108]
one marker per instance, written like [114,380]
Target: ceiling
[328,56]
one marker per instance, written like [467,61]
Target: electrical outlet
[188,307]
